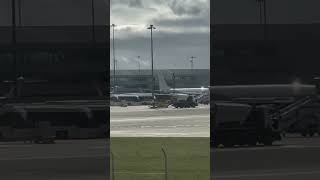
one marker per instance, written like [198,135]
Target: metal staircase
[286,114]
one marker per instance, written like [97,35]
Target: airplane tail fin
[162,83]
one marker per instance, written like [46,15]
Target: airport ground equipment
[308,120]
[131,99]
[161,104]
[242,124]
[203,99]
[162,100]
[246,120]
[183,101]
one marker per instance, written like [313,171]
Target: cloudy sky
[182,31]
[55,12]
[278,12]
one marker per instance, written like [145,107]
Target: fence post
[165,163]
[112,165]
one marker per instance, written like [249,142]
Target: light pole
[114,59]
[151,27]
[265,18]
[265,11]
[14,43]
[20,12]
[192,61]
[174,82]
[93,21]
[116,62]
[139,64]
[263,15]
[260,10]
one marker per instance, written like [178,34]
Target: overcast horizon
[183,30]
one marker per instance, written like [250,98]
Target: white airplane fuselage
[264,91]
[190,91]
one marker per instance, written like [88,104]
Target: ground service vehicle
[161,101]
[243,119]
[183,101]
[242,124]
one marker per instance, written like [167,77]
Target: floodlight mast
[192,62]
[114,59]
[151,28]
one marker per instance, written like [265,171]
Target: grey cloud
[136,3]
[187,7]
[170,51]
[115,2]
[128,3]
[179,9]
[127,29]
[173,43]
[186,22]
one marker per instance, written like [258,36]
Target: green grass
[142,158]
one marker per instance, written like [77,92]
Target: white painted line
[158,134]
[159,118]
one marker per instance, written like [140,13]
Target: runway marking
[160,125]
[157,134]
[156,126]
[159,118]
[269,174]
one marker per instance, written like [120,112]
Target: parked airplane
[266,92]
[191,91]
